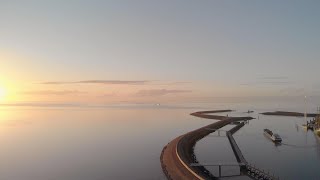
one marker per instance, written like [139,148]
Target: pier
[236,150]
[179,162]
[245,167]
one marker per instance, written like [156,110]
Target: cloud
[40,104]
[269,81]
[51,92]
[112,94]
[160,92]
[98,82]
[175,83]
[274,77]
[293,90]
[181,82]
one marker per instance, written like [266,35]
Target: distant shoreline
[287,113]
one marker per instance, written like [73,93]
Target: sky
[148,51]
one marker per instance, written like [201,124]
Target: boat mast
[305,112]
[318,117]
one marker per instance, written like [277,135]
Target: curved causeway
[178,154]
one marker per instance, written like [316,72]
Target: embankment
[177,156]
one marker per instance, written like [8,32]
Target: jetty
[235,147]
[178,155]
[179,162]
[250,170]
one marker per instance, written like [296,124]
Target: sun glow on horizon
[2,94]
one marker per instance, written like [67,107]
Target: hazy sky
[149,51]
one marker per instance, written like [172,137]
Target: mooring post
[219,170]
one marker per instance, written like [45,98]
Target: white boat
[274,137]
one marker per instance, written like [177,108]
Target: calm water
[82,143]
[297,158]
[88,143]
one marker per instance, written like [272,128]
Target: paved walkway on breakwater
[177,156]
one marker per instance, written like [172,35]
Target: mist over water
[125,142]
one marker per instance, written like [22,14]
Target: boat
[273,136]
[309,126]
[312,125]
[317,123]
[317,127]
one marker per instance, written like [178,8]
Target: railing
[248,169]
[220,165]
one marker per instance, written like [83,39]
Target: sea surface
[125,141]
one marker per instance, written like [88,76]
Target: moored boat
[274,137]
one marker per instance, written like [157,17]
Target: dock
[245,167]
[236,150]
[178,160]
